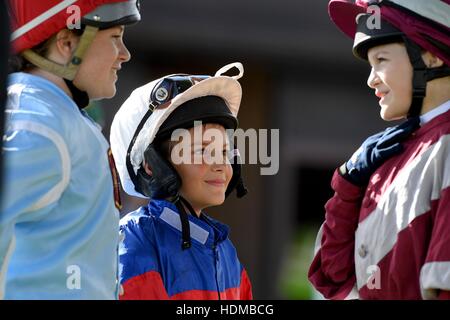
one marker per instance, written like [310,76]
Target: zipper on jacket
[216,260]
[216,256]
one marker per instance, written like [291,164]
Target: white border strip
[434,277]
[39,19]
[353,295]
[435,10]
[173,218]
[318,243]
[53,136]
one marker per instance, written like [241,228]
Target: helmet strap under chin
[81,98]
[419,77]
[68,71]
[180,202]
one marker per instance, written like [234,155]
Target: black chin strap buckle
[419,83]
[419,91]
[186,244]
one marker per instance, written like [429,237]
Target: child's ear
[431,60]
[147,169]
[66,43]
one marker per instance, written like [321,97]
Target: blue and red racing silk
[154,266]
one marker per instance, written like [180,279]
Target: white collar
[434,113]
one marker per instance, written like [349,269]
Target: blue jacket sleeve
[33,181]
[139,268]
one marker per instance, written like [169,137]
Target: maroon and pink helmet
[420,24]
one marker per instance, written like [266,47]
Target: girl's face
[97,74]
[207,173]
[391,77]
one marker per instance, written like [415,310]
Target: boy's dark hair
[164,147]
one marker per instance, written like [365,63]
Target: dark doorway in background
[314,190]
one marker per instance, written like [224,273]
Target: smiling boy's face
[206,176]
[391,78]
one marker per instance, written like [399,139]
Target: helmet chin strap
[81,98]
[421,75]
[68,71]
[185,227]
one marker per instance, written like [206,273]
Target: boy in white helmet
[171,248]
[58,215]
[386,230]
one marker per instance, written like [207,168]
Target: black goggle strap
[151,107]
[130,169]
[185,227]
[161,93]
[171,86]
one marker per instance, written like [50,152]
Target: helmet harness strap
[421,75]
[180,202]
[68,71]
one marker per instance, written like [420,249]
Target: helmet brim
[208,109]
[366,37]
[351,19]
[343,14]
[113,14]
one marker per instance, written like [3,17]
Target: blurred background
[300,77]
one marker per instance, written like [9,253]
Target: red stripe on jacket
[150,286]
